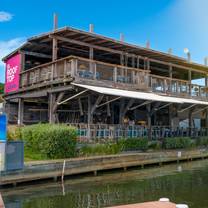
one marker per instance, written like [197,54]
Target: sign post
[3,136]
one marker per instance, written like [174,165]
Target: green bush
[52,141]
[134,144]
[100,149]
[156,145]
[177,143]
[203,141]
[14,133]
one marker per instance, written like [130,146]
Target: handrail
[83,59]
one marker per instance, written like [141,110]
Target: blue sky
[175,24]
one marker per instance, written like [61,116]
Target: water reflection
[182,183]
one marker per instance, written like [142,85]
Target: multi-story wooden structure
[107,88]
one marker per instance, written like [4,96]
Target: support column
[190,119]
[91,57]
[89,115]
[121,111]
[51,103]
[20,111]
[171,118]
[206,122]
[149,122]
[189,76]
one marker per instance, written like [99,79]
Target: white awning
[139,95]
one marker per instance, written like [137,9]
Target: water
[182,183]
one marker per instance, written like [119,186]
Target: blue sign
[3,127]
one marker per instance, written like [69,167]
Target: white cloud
[7,47]
[5,16]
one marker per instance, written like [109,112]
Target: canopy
[139,95]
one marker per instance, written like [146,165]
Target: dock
[155,204]
[1,202]
[52,169]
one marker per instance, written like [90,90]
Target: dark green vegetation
[182,183]
[1,88]
[46,141]
[49,141]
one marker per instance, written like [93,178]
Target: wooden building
[105,87]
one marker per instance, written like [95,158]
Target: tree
[1,88]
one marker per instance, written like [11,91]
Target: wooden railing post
[115,74]
[95,70]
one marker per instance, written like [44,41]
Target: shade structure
[139,95]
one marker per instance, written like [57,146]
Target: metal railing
[111,131]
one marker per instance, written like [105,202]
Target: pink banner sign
[12,73]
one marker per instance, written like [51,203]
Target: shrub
[203,141]
[177,143]
[134,144]
[52,141]
[156,145]
[14,133]
[100,149]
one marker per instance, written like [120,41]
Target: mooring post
[63,170]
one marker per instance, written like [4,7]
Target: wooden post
[20,111]
[190,119]
[115,74]
[91,57]
[54,45]
[149,122]
[89,116]
[189,77]
[52,118]
[121,111]
[206,119]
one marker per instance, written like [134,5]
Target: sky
[175,24]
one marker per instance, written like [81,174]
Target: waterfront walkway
[53,169]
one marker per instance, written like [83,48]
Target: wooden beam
[137,106]
[85,44]
[130,103]
[80,107]
[191,106]
[163,106]
[60,97]
[20,111]
[89,115]
[41,55]
[72,97]
[108,102]
[149,121]
[52,118]
[97,102]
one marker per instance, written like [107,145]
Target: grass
[32,156]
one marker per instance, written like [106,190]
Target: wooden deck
[52,169]
[148,205]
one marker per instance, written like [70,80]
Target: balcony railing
[104,74]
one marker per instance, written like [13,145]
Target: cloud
[5,16]
[7,47]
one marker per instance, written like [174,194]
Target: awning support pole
[144,103]
[70,98]
[166,105]
[200,110]
[108,102]
[149,121]
[191,106]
